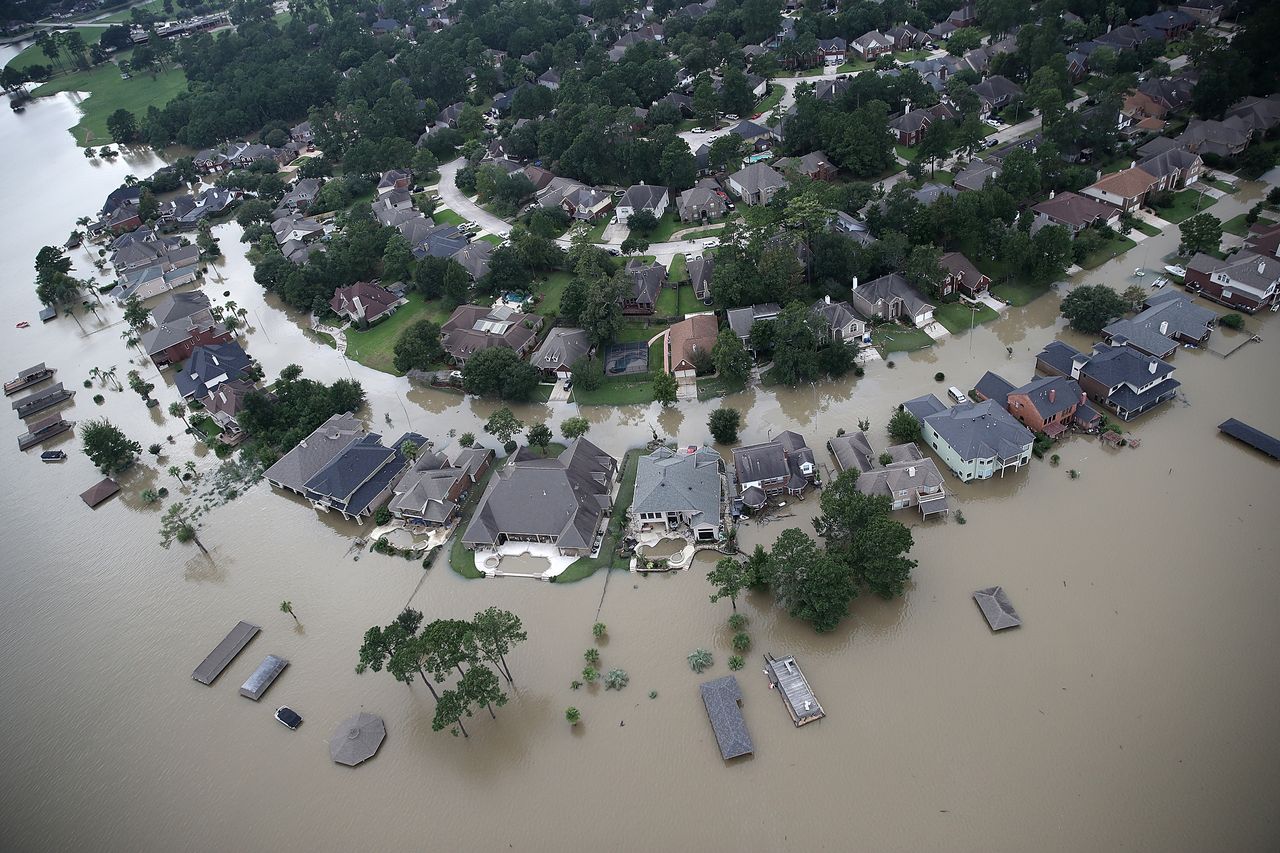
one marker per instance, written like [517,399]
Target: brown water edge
[1135,708]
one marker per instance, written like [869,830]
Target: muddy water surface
[1136,708]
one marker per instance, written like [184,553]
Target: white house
[642,197]
[676,490]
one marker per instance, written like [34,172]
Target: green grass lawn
[1108,250]
[855,66]
[632,332]
[1239,226]
[616,392]
[771,98]
[1184,206]
[668,302]
[942,176]
[667,225]
[445,216]
[1221,185]
[376,347]
[716,386]
[492,239]
[689,303]
[155,7]
[893,338]
[462,560]
[551,290]
[33,54]
[597,230]
[586,566]
[207,426]
[108,93]
[705,232]
[676,271]
[1146,228]
[906,153]
[1019,293]
[956,316]
[657,350]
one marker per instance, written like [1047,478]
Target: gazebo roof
[996,607]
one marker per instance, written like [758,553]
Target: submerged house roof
[722,698]
[997,608]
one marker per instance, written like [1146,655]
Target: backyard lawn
[676,272]
[1109,249]
[956,316]
[689,303]
[668,302]
[1184,206]
[631,332]
[717,386]
[586,566]
[551,290]
[445,216]
[1019,293]
[616,392]
[462,560]
[376,347]
[892,338]
[108,92]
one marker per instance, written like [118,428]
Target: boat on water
[53,456]
[1174,269]
[288,717]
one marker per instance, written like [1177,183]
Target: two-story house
[784,464]
[1120,378]
[677,490]
[974,440]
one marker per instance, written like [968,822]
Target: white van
[958,395]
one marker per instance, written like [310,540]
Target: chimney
[827,299]
[855,283]
[1164,327]
[1052,193]
[911,471]
[1053,392]
[1262,266]
[1151,367]
[1084,398]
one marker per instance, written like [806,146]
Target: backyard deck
[786,677]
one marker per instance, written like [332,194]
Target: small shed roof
[721,698]
[99,492]
[996,607]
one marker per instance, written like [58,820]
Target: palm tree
[96,373]
[111,376]
[68,312]
[179,410]
[191,469]
[287,607]
[175,471]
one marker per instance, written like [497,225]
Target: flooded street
[1136,708]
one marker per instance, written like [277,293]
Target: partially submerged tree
[109,448]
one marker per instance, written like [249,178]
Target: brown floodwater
[1136,708]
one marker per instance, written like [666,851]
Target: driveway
[452,198]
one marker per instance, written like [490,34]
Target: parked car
[288,717]
[956,394]
[699,130]
[731,117]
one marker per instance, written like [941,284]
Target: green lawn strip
[208,427]
[627,391]
[375,347]
[689,302]
[1108,250]
[1146,228]
[463,560]
[597,230]
[1183,207]
[956,316]
[1019,293]
[657,350]
[717,386]
[906,153]
[668,302]
[550,291]
[890,339]
[445,216]
[586,566]
[942,176]
[492,239]
[704,232]
[771,98]
[855,66]
[1222,186]
[323,337]
[632,332]
[108,92]
[676,272]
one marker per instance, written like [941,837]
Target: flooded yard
[1135,708]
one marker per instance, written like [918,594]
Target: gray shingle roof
[721,698]
[295,468]
[997,609]
[563,347]
[210,365]
[981,431]
[741,319]
[688,483]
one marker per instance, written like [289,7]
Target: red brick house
[962,275]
